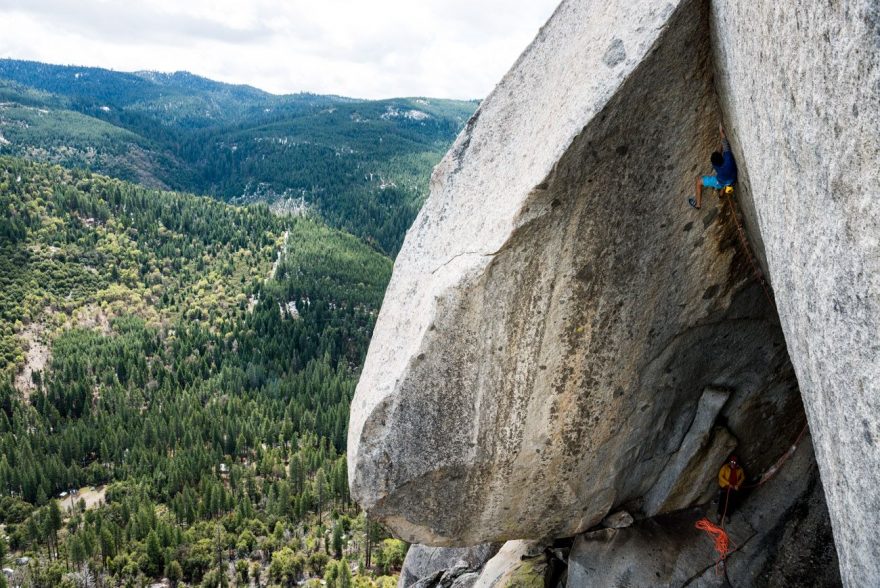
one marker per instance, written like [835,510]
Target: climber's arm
[724,476]
[740,478]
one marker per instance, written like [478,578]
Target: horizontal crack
[456,256]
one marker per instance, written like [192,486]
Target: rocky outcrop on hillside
[563,337]
[780,533]
[436,567]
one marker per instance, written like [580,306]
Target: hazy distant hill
[362,164]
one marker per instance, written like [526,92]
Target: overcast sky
[361,48]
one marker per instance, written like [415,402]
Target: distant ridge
[363,165]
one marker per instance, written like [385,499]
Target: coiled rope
[719,536]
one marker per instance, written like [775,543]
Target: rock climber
[730,478]
[725,171]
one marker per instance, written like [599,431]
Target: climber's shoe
[693,203]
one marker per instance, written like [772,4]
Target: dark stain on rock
[727,238]
[711,291]
[688,227]
[615,53]
[710,218]
[459,153]
[587,273]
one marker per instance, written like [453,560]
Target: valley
[187,362]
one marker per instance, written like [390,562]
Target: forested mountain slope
[200,381]
[364,165]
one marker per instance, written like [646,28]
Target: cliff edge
[562,336]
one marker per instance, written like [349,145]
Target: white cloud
[384,48]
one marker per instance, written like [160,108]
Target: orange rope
[744,241]
[718,534]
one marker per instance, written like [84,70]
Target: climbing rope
[779,462]
[759,276]
[756,268]
[719,535]
[720,538]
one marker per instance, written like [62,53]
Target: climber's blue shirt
[726,172]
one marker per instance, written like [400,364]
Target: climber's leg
[698,201]
[733,499]
[704,182]
[722,505]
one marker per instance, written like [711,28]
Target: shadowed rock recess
[562,336]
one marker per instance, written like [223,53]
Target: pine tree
[155,557]
[54,521]
[174,572]
[344,574]
[108,545]
[337,540]
[77,551]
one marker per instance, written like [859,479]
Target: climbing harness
[744,242]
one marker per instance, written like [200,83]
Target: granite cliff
[563,337]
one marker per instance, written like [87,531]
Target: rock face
[782,536]
[563,336]
[429,564]
[518,563]
[690,476]
[557,311]
[800,86]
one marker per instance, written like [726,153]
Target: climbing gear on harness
[727,190]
